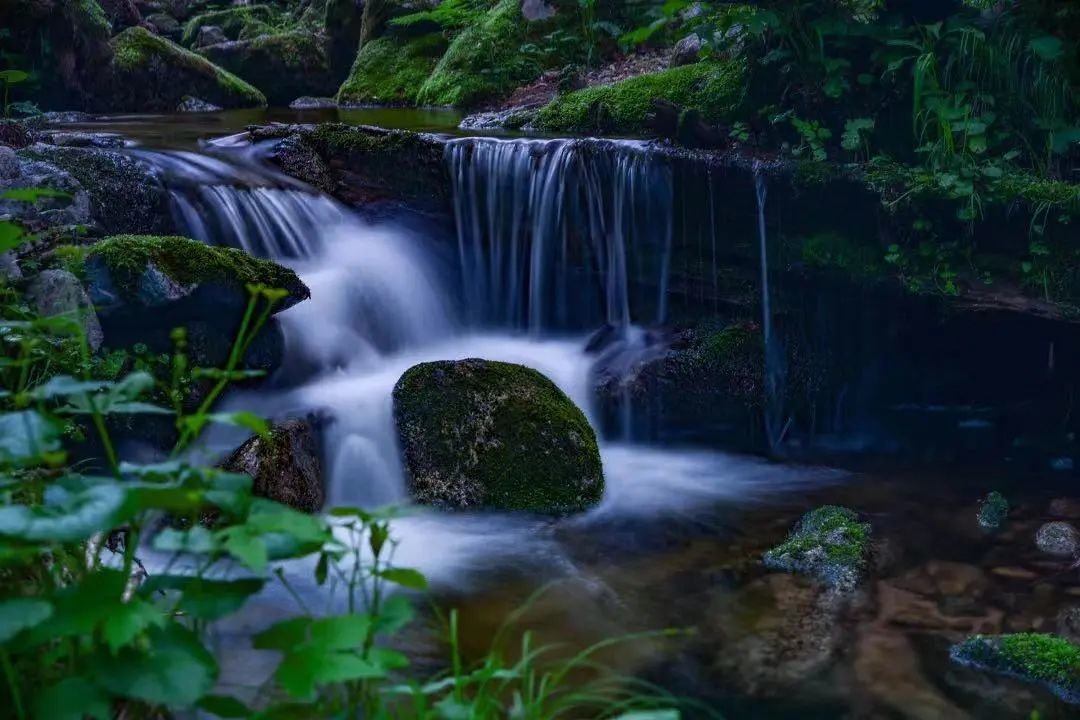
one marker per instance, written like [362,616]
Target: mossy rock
[285,465]
[233,21]
[993,509]
[390,70]
[283,67]
[1046,660]
[711,90]
[829,543]
[482,434]
[150,73]
[483,62]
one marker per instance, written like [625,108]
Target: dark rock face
[20,171]
[209,35]
[55,293]
[283,67]
[480,434]
[286,466]
[124,194]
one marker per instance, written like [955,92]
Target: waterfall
[546,228]
[774,360]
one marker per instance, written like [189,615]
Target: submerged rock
[308,102]
[482,434]
[54,293]
[195,105]
[1046,660]
[829,543]
[286,466]
[993,509]
[1058,538]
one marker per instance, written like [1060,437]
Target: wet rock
[993,509]
[164,24]
[888,668]
[125,195]
[150,73]
[209,35]
[195,105]
[901,607]
[533,10]
[313,103]
[1058,538]
[514,118]
[687,50]
[9,268]
[22,170]
[1068,624]
[945,578]
[286,466]
[1046,660]
[14,135]
[65,117]
[83,139]
[122,13]
[55,293]
[299,160]
[283,66]
[829,543]
[482,434]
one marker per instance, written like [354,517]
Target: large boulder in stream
[150,73]
[144,286]
[282,66]
[482,434]
[285,465]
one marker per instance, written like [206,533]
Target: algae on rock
[829,543]
[1047,660]
[390,70]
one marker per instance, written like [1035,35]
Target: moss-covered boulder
[710,91]
[993,509]
[283,67]
[285,465]
[484,61]
[830,543]
[390,70]
[150,73]
[1047,660]
[144,286]
[235,22]
[482,434]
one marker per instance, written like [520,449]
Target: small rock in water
[829,543]
[1058,538]
[312,103]
[1047,660]
[191,104]
[85,139]
[993,509]
[1065,508]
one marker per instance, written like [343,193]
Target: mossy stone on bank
[233,21]
[829,543]
[713,90]
[283,67]
[390,70]
[150,73]
[482,434]
[1047,660]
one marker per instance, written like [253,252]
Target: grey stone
[1058,538]
[9,268]
[70,208]
[194,105]
[285,466]
[533,10]
[55,293]
[312,103]
[686,51]
[209,35]
[84,139]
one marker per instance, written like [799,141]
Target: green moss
[1046,659]
[734,358]
[993,509]
[187,262]
[484,61]
[712,89]
[830,543]
[391,70]
[497,435]
[91,19]
[233,21]
[834,251]
[152,71]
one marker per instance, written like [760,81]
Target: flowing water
[675,541]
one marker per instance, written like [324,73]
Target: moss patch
[1044,659]
[484,61]
[233,21]
[830,543]
[187,262]
[712,89]
[391,70]
[151,73]
[488,434]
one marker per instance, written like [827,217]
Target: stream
[677,539]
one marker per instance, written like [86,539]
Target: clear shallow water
[676,541]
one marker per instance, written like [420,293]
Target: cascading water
[774,362]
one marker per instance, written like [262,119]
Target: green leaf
[406,577]
[32,195]
[341,632]
[26,436]
[128,621]
[203,598]
[224,706]
[176,672]
[22,614]
[11,236]
[12,77]
[283,635]
[96,509]
[1047,47]
[251,421]
[74,698]
[300,673]
[247,548]
[395,613]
